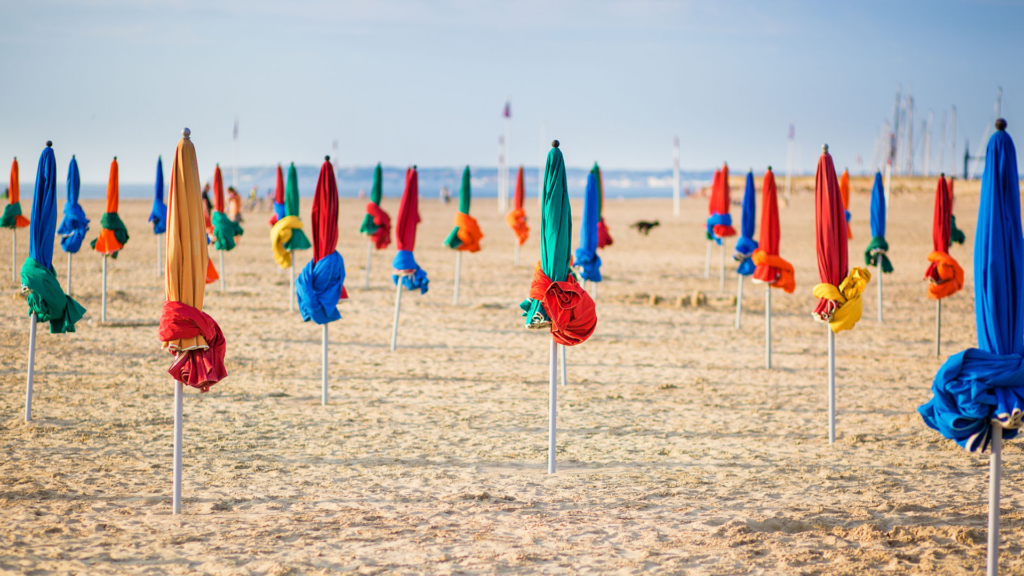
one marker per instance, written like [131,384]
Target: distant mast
[675,175]
[501,174]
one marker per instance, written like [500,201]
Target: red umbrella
[325,214]
[720,203]
[408,273]
[408,212]
[218,190]
[771,269]
[945,276]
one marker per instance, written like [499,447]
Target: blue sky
[419,81]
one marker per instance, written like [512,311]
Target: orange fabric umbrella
[12,217]
[113,234]
[844,191]
[516,219]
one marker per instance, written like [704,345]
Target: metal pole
[369,258]
[69,273]
[178,393]
[707,261]
[291,283]
[14,256]
[224,272]
[596,284]
[938,328]
[552,405]
[323,392]
[721,272]
[564,374]
[159,268]
[879,287]
[31,367]
[103,310]
[768,326]
[831,386]
[994,471]
[398,309]
[739,299]
[458,273]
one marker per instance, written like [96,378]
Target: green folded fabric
[10,217]
[47,299]
[111,221]
[956,235]
[298,241]
[878,248]
[453,241]
[224,231]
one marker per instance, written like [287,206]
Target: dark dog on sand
[644,226]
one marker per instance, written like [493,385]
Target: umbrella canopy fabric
[73,227]
[516,219]
[189,334]
[839,293]
[113,233]
[878,247]
[770,268]
[299,240]
[278,197]
[556,298]
[604,238]
[12,217]
[944,274]
[746,245]
[466,235]
[376,222]
[225,230]
[39,281]
[587,261]
[158,215]
[320,285]
[983,385]
[956,235]
[407,270]
[719,224]
[844,191]
[286,235]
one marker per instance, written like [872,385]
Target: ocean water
[484,182]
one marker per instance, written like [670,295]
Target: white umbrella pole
[517,254]
[879,287]
[291,284]
[159,268]
[552,406]
[831,386]
[565,377]
[938,328]
[398,310]
[323,392]
[458,273]
[69,273]
[768,326]
[721,272]
[707,261]
[178,393]
[369,258]
[31,367]
[14,255]
[994,471]
[103,309]
[596,284]
[223,272]
[739,299]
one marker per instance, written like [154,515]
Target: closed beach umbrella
[278,197]
[770,268]
[839,293]
[187,333]
[708,234]
[944,275]
[113,233]
[225,230]
[466,235]
[746,245]
[604,238]
[12,217]
[74,225]
[719,224]
[844,190]
[407,273]
[46,301]
[556,300]
[158,214]
[321,284]
[516,219]
[878,248]
[587,261]
[376,222]
[979,393]
[287,236]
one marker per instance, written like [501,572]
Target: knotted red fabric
[382,237]
[572,311]
[945,276]
[202,367]
[830,232]
[408,212]
[603,237]
[325,213]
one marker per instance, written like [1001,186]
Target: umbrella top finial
[769,168]
[554,143]
[942,175]
[413,166]
[1001,124]
[115,158]
[185,133]
[49,144]
[327,158]
[824,148]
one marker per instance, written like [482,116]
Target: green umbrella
[466,235]
[298,241]
[555,234]
[368,227]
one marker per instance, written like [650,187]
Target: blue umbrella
[74,225]
[979,393]
[158,215]
[587,260]
[878,247]
[746,245]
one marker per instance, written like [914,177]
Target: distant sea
[617,183]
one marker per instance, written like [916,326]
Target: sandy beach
[678,452]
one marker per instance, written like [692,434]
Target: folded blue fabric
[318,289]
[418,280]
[718,220]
